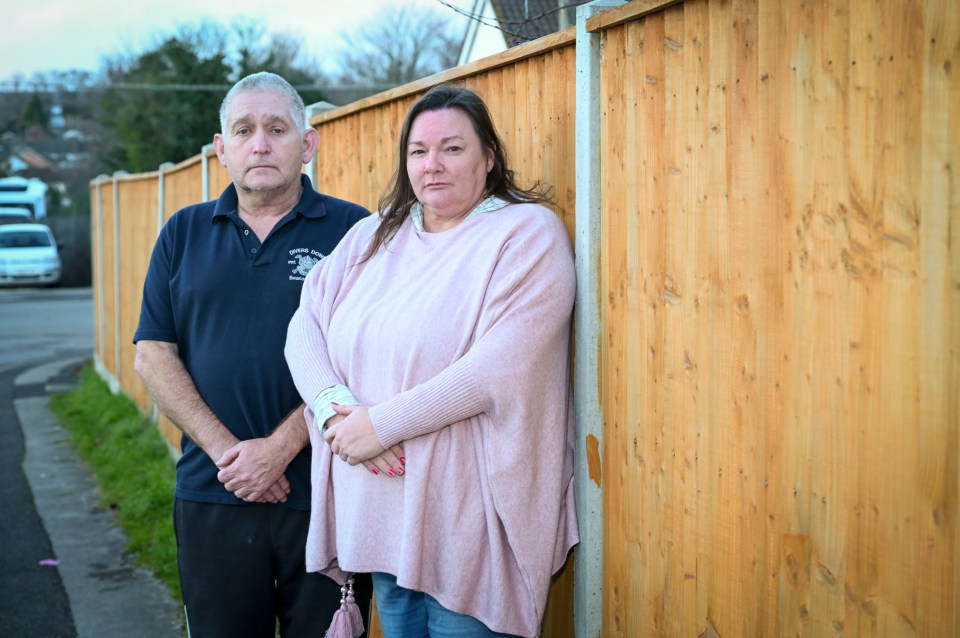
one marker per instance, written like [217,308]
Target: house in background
[497,25]
[28,162]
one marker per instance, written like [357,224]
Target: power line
[518,24]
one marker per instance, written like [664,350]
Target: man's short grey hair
[267,82]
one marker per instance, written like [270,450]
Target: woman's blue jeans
[405,613]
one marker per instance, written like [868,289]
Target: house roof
[525,20]
[33,159]
[36,132]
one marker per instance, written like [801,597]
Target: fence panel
[183,186]
[780,305]
[138,201]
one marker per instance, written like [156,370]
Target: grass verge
[133,466]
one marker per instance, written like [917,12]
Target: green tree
[35,113]
[162,105]
[158,105]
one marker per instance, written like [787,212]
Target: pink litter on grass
[49,562]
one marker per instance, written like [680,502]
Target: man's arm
[159,365]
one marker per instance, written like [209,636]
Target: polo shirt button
[253,250]
[246,232]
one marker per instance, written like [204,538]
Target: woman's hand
[354,440]
[390,463]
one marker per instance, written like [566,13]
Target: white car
[28,255]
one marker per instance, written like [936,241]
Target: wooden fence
[778,302]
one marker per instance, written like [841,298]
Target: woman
[447,317]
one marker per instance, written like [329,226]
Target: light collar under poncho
[487,205]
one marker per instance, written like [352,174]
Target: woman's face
[447,165]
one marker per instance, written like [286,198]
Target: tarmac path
[63,567]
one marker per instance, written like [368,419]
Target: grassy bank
[133,466]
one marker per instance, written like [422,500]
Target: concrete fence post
[114,375]
[588,566]
[205,154]
[98,256]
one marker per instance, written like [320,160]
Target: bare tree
[402,46]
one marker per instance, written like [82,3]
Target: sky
[47,35]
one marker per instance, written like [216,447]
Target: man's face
[262,148]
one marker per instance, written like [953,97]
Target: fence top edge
[627,13]
[530,49]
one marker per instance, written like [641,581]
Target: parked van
[15,214]
[19,192]
[29,255]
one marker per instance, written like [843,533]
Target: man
[223,282]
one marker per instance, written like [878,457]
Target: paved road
[63,571]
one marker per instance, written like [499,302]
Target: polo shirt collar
[310,204]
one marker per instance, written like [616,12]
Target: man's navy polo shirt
[226,300]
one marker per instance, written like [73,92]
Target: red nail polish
[399,470]
[390,472]
[376,471]
[403,460]
[335,403]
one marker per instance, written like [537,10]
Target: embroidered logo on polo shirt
[303,260]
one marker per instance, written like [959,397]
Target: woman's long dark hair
[398,197]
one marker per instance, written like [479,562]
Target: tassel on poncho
[347,621]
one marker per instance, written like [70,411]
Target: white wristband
[322,408]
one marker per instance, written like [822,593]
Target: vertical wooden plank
[324,134]
[752,297]
[554,95]
[796,593]
[689,268]
[897,57]
[699,359]
[719,548]
[825,315]
[863,588]
[368,161]
[680,73]
[350,179]
[642,356]
[564,174]
[619,599]
[520,145]
[646,254]
[939,596]
[542,113]
[770,290]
